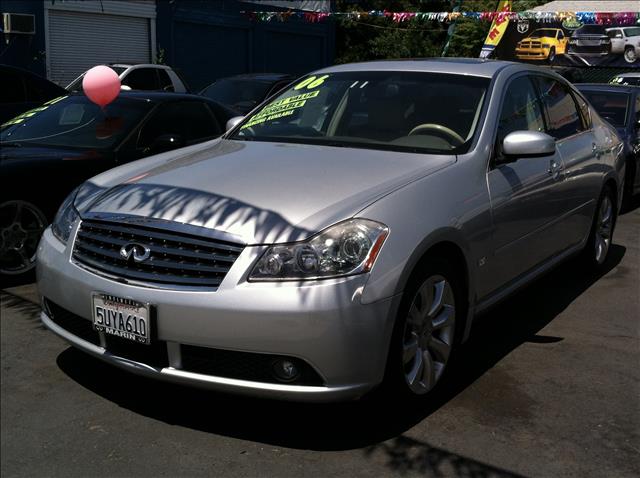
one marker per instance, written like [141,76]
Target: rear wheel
[21,225]
[599,242]
[425,330]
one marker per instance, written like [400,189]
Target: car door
[525,195]
[176,124]
[580,151]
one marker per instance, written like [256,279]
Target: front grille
[176,259]
[154,354]
[72,323]
[242,365]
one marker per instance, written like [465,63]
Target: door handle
[595,150]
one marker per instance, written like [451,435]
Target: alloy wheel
[604,228]
[630,55]
[428,334]
[21,225]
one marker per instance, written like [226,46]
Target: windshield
[76,85]
[544,32]
[611,106]
[591,30]
[401,111]
[74,121]
[242,95]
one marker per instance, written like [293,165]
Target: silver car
[342,235]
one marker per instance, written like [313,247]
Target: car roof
[154,96]
[260,76]
[606,87]
[461,66]
[141,65]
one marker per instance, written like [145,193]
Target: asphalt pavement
[548,385]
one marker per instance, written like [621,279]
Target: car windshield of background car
[388,110]
[75,122]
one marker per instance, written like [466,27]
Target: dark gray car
[344,234]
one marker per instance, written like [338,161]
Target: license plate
[120,317]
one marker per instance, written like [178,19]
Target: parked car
[146,77]
[627,79]
[22,90]
[542,44]
[589,40]
[243,92]
[342,235]
[620,106]
[625,41]
[50,150]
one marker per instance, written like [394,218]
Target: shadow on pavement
[375,423]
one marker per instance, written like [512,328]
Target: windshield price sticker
[280,108]
[311,82]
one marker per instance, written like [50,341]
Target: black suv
[589,40]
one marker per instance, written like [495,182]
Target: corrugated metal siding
[78,41]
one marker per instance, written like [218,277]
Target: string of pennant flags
[599,18]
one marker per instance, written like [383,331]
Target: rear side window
[165,82]
[142,79]
[562,115]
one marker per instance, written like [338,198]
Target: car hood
[258,192]
[26,152]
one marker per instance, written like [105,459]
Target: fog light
[285,370]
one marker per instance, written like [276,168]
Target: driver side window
[521,110]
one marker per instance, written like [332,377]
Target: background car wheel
[630,55]
[552,55]
[601,236]
[21,225]
[425,330]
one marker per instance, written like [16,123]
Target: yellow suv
[542,44]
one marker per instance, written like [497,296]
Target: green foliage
[380,38]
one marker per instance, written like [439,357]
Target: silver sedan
[341,236]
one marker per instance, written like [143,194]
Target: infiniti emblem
[138,251]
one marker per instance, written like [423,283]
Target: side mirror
[233,122]
[522,144]
[167,142]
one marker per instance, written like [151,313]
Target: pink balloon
[101,85]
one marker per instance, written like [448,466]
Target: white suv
[625,41]
[142,77]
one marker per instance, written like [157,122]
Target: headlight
[65,217]
[350,247]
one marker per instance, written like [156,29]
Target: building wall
[210,40]
[205,40]
[24,51]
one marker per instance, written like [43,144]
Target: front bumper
[322,323]
[532,53]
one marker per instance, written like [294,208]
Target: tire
[429,322]
[552,55]
[630,55]
[600,238]
[21,225]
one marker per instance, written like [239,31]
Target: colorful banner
[571,43]
[498,27]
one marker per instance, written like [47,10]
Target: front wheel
[425,330]
[630,55]
[552,55]
[21,225]
[599,243]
